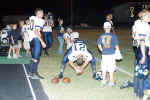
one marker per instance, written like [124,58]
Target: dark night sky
[81,8]
[61,7]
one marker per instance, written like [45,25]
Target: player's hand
[43,44]
[79,71]
[149,52]
[142,61]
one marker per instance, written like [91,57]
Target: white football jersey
[68,41]
[74,35]
[47,26]
[141,28]
[79,48]
[26,30]
[74,55]
[35,23]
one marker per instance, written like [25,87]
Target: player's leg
[127,84]
[50,39]
[104,81]
[104,68]
[36,52]
[60,49]
[27,47]
[111,68]
[112,81]
[9,51]
[64,61]
[93,66]
[136,85]
[141,88]
[47,42]
[63,65]
[19,48]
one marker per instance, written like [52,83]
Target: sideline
[29,82]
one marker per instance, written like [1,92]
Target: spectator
[19,33]
[13,42]
[60,31]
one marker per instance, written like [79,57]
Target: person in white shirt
[36,42]
[25,35]
[47,30]
[141,36]
[67,37]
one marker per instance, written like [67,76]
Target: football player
[67,37]
[109,46]
[47,30]
[36,42]
[25,35]
[80,55]
[109,18]
[141,34]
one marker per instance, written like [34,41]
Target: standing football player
[47,30]
[108,44]
[141,34]
[36,42]
[67,37]
[25,35]
[109,18]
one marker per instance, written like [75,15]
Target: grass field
[84,87]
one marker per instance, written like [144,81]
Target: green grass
[21,60]
[84,87]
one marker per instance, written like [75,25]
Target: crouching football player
[80,55]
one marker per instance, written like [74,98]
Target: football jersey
[68,41]
[86,56]
[26,30]
[108,41]
[111,22]
[79,48]
[47,26]
[66,35]
[35,23]
[74,35]
[141,28]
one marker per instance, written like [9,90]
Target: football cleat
[60,75]
[98,75]
[125,85]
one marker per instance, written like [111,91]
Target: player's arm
[22,34]
[66,38]
[12,39]
[52,23]
[99,42]
[100,47]
[39,37]
[72,65]
[84,65]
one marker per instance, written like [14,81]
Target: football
[55,80]
[66,80]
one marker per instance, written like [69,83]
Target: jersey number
[31,24]
[106,40]
[80,47]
